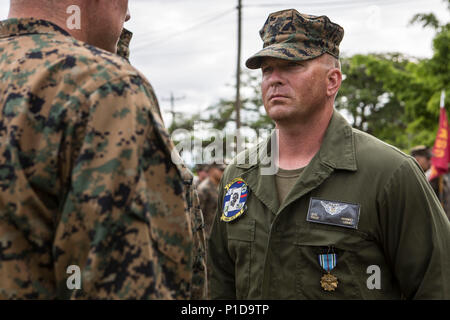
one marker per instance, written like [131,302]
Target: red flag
[441,156]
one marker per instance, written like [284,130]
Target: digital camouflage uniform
[208,194]
[86,176]
[123,46]
[359,201]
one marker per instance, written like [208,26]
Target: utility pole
[172,111]
[238,71]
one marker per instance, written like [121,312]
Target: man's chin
[280,115]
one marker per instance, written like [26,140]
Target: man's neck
[46,14]
[299,143]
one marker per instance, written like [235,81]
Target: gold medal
[328,261]
[329,282]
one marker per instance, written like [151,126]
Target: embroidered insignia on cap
[236,195]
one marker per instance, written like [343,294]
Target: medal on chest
[236,195]
[328,281]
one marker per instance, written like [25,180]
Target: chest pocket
[241,237]
[313,240]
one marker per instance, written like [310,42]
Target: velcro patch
[336,213]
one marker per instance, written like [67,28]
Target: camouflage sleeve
[199,285]
[124,220]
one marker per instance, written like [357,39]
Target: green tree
[417,84]
[222,116]
[364,99]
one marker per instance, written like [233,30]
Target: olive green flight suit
[271,251]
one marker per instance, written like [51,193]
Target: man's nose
[128,16]
[276,77]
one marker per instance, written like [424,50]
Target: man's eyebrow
[301,62]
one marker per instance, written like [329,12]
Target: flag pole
[442,98]
[441,177]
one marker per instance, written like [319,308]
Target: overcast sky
[189,47]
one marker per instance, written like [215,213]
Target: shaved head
[38,8]
[101,20]
[331,61]
[37,3]
[332,64]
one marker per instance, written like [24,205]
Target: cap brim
[285,51]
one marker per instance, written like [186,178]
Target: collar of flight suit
[337,152]
[23,26]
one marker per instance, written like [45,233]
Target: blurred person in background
[202,174]
[208,194]
[423,155]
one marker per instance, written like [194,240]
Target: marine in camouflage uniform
[86,176]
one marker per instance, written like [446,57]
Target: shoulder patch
[236,195]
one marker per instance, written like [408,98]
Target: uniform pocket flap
[350,240]
[243,230]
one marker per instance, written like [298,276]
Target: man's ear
[334,80]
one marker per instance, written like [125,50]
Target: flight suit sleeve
[220,264]
[416,234]
[124,219]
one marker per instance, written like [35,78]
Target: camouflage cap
[291,35]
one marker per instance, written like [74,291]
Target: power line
[172,111]
[143,44]
[331,4]
[238,70]
[168,37]
[163,30]
[181,53]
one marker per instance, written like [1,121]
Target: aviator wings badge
[333,208]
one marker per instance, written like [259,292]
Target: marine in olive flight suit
[87,177]
[359,222]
